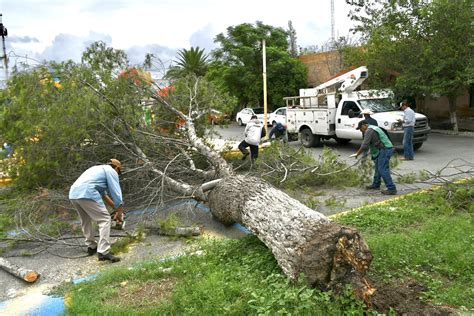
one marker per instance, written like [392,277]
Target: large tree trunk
[301,239]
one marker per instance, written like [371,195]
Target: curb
[451,133]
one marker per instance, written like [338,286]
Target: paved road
[435,154]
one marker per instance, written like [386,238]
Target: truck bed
[321,120]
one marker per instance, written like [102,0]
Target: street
[434,155]
[450,154]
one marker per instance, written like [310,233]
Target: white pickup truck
[316,114]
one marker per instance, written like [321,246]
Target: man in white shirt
[253,134]
[408,129]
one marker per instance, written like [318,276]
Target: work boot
[371,187]
[109,257]
[91,251]
[389,192]
[245,155]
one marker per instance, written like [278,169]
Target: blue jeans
[382,169]
[408,151]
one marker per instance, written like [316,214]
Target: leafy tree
[190,62]
[238,64]
[56,129]
[420,47]
[94,114]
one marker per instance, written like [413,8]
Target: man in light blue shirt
[97,185]
[408,130]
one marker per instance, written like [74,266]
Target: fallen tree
[179,163]
[302,240]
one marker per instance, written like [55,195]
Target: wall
[321,66]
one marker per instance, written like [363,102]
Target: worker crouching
[97,185]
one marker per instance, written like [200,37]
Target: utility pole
[333,24]
[264,57]
[4,33]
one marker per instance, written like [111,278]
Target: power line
[4,33]
[333,24]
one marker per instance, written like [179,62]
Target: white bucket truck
[333,110]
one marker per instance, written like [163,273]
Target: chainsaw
[119,222]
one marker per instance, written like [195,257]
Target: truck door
[346,124]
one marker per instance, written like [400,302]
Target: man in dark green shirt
[381,149]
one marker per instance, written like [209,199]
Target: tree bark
[452,113]
[302,240]
[29,276]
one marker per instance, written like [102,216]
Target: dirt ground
[404,299]
[58,263]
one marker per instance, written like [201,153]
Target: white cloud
[67,46]
[62,29]
[204,38]
[136,54]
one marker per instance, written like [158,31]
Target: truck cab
[385,112]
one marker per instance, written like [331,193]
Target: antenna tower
[333,24]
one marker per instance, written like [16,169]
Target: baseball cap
[402,103]
[116,163]
[363,122]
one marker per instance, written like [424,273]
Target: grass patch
[424,236]
[5,222]
[237,277]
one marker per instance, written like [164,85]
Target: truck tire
[417,146]
[342,141]
[240,122]
[308,139]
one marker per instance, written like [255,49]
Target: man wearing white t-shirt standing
[408,130]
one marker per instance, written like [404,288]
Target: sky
[61,29]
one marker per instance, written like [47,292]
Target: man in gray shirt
[381,149]
[408,129]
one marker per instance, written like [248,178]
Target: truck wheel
[240,122]
[342,141]
[308,139]
[417,146]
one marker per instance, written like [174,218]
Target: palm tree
[190,62]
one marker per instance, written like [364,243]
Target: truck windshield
[378,105]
